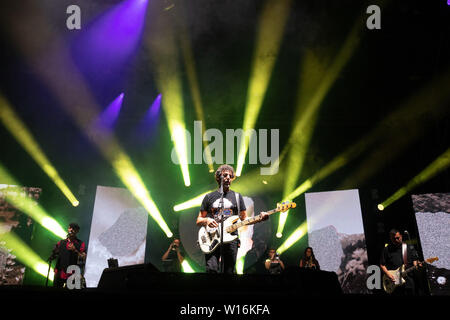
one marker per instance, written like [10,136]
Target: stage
[136,289]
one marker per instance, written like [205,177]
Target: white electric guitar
[209,238]
[400,274]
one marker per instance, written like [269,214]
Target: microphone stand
[221,206]
[48,272]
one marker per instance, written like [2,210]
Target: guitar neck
[248,221]
[412,268]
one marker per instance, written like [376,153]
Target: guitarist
[394,255]
[210,216]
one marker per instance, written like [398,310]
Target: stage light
[279,235]
[130,177]
[299,233]
[240,262]
[320,75]
[187,267]
[380,207]
[109,116]
[248,185]
[20,132]
[28,206]
[438,165]
[164,53]
[189,64]
[57,63]
[25,254]
[270,33]
[194,202]
[105,46]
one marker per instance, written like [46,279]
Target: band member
[394,255]
[210,216]
[273,264]
[70,251]
[309,260]
[172,258]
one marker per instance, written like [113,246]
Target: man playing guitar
[396,254]
[210,216]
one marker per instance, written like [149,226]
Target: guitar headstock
[285,206]
[431,260]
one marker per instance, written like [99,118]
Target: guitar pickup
[203,239]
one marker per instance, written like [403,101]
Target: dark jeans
[58,282]
[229,257]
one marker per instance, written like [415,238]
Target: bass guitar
[209,238]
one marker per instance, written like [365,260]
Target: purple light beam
[104,47]
[109,116]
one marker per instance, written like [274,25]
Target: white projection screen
[336,234]
[118,230]
[433,221]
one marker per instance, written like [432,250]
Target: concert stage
[140,289]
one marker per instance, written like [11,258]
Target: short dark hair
[393,232]
[222,168]
[74,226]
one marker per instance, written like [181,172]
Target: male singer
[210,216]
[70,251]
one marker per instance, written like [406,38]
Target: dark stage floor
[200,295]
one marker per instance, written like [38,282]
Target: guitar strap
[404,253]
[238,202]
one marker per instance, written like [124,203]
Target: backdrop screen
[433,221]
[14,221]
[118,230]
[336,234]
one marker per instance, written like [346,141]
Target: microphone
[407,233]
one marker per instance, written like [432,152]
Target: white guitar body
[389,285]
[209,238]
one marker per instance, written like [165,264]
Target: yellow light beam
[28,206]
[24,254]
[194,202]
[22,134]
[73,95]
[402,127]
[189,64]
[438,165]
[249,184]
[187,267]
[299,233]
[164,53]
[410,113]
[270,33]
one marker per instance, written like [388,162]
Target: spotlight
[380,207]
[20,132]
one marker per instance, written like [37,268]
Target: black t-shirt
[211,203]
[392,256]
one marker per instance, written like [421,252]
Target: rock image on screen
[118,230]
[336,234]
[433,221]
[14,221]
